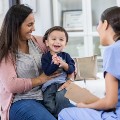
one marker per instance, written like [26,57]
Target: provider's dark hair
[55,28]
[10,30]
[112,15]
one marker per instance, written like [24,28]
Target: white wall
[4,5]
[43,18]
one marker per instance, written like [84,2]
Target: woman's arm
[12,84]
[111,98]
[9,80]
[42,79]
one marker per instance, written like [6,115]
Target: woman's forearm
[102,104]
[39,80]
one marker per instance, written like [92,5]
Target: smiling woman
[20,77]
[108,107]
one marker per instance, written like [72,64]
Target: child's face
[56,41]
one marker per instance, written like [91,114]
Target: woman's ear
[105,24]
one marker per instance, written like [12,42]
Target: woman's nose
[33,28]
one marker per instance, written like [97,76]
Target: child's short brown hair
[55,28]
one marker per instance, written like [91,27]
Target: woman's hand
[43,78]
[81,105]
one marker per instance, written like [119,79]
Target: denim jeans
[54,100]
[29,110]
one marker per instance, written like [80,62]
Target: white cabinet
[84,42]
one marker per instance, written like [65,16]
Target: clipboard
[78,94]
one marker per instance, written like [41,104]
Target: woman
[21,76]
[107,108]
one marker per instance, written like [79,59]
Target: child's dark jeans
[52,99]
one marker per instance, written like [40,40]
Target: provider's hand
[81,105]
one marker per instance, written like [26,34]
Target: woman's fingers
[54,75]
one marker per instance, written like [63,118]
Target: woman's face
[106,33]
[27,27]
[101,28]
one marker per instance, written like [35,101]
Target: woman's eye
[30,24]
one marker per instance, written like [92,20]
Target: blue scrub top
[111,63]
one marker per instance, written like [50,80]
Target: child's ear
[46,42]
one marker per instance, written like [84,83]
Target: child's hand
[58,61]
[55,59]
[61,62]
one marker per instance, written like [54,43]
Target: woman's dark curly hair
[55,28]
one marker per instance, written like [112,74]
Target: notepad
[78,94]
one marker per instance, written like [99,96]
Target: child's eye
[61,39]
